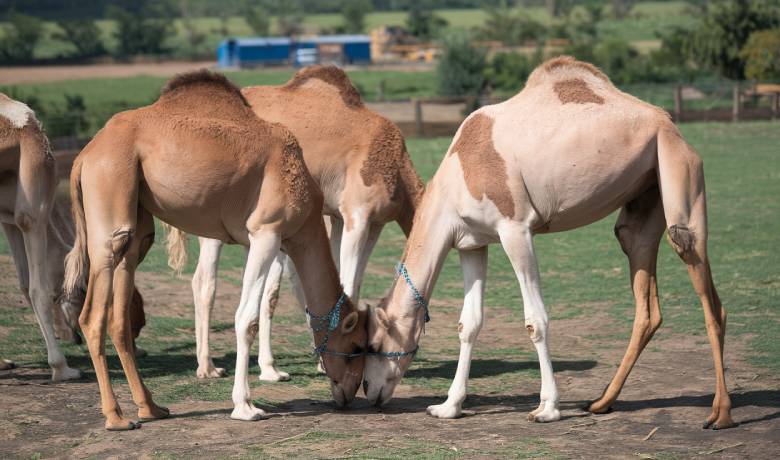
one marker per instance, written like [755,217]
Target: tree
[84,35]
[195,37]
[621,8]
[354,13]
[289,17]
[460,69]
[21,35]
[762,55]
[509,26]
[721,35]
[423,22]
[258,19]
[138,34]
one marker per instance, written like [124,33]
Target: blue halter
[329,322]
[421,303]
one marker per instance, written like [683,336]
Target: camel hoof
[154,413]
[445,411]
[67,373]
[720,425]
[6,364]
[247,413]
[213,373]
[126,426]
[274,376]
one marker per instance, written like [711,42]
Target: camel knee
[683,241]
[468,329]
[624,235]
[25,220]
[536,328]
[119,243]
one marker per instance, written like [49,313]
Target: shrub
[719,38]
[258,20]
[460,68]
[423,22]
[21,35]
[509,71]
[138,34]
[354,13]
[84,35]
[762,55]
[510,27]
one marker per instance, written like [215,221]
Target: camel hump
[331,75]
[565,67]
[16,113]
[202,78]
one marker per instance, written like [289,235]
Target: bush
[138,34]
[460,68]
[509,71]
[510,27]
[354,13]
[423,22]
[720,37]
[618,59]
[258,20]
[84,35]
[762,55]
[20,37]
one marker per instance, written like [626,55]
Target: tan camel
[566,151]
[32,223]
[360,162]
[200,160]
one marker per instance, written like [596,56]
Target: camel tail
[77,260]
[413,189]
[176,245]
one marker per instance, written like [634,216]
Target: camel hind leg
[681,178]
[638,229]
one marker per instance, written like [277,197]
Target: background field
[585,282]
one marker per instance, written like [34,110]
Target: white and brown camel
[566,151]
[200,160]
[36,227]
[359,160]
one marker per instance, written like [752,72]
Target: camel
[32,221]
[564,152]
[198,159]
[359,160]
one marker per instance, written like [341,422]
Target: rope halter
[329,322]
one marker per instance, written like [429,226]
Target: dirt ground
[668,393]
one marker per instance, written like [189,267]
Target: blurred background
[424,64]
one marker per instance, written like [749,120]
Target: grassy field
[646,20]
[584,274]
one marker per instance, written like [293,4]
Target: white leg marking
[517,241]
[43,300]
[352,243]
[204,291]
[268,372]
[474,265]
[263,248]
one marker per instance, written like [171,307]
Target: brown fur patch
[484,170]
[530,329]
[294,171]
[569,61]
[389,162]
[576,91]
[331,75]
[460,327]
[683,242]
[202,77]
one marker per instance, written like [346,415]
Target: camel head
[343,357]
[392,344]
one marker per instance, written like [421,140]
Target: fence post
[775,105]
[678,103]
[418,118]
[737,103]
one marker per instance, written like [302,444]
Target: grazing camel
[566,151]
[360,162]
[200,160]
[27,198]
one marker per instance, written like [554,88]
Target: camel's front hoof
[153,412]
[720,424]
[122,424]
[272,375]
[247,412]
[65,373]
[444,410]
[211,373]
[544,416]
[6,364]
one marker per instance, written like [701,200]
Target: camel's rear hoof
[126,425]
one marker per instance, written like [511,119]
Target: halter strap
[329,322]
[421,302]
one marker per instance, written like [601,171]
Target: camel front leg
[297,287]
[474,264]
[517,241]
[263,248]
[42,299]
[353,242]
[265,358]
[204,291]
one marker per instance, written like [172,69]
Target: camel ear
[349,323]
[384,320]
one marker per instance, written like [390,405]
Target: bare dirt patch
[670,389]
